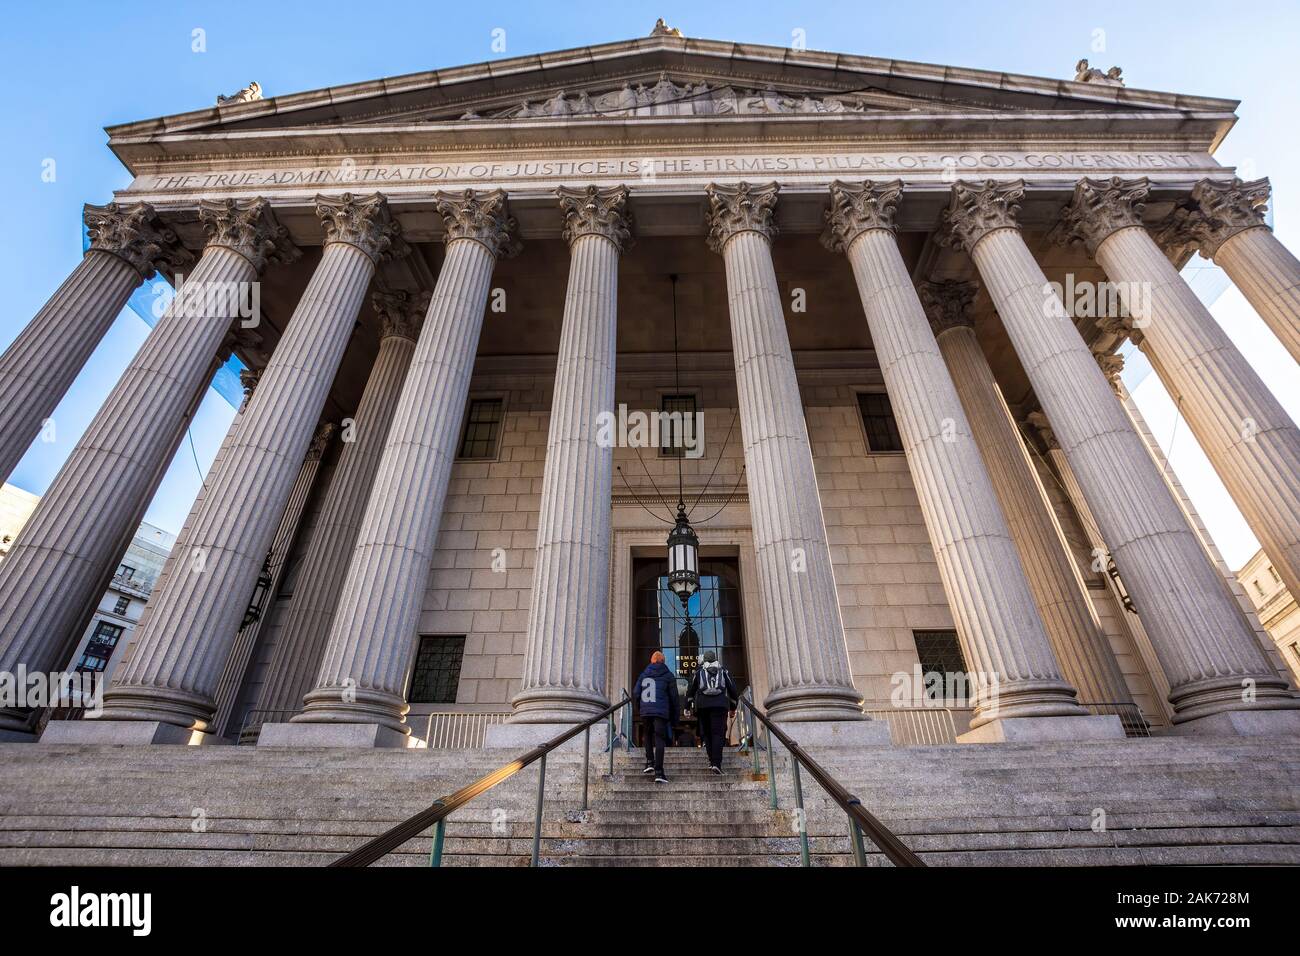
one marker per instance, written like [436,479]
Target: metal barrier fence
[446,730]
[919,726]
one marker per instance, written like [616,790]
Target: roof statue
[253,91]
[1083,73]
[664,30]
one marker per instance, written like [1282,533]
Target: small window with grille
[940,654]
[122,604]
[99,649]
[878,422]
[437,670]
[482,428]
[676,425]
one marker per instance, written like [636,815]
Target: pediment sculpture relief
[667,98]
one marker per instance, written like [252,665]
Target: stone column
[57,566]
[169,683]
[1081,648]
[301,641]
[286,534]
[1247,435]
[1219,679]
[1018,683]
[1225,222]
[568,618]
[127,244]
[808,659]
[359,697]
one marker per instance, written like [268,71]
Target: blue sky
[71,68]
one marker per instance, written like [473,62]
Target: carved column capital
[1215,213]
[134,234]
[743,207]
[597,212]
[364,222]
[1099,208]
[400,313]
[947,304]
[248,227]
[1111,365]
[481,216]
[976,209]
[1039,423]
[857,208]
[320,441]
[249,378]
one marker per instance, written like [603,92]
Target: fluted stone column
[1219,679]
[1018,683]
[277,558]
[808,659]
[127,244]
[1225,221]
[57,567]
[359,697]
[1084,653]
[181,651]
[301,641]
[1250,440]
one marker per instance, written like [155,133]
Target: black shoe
[649,768]
[660,778]
[717,770]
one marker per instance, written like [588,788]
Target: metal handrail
[860,820]
[436,814]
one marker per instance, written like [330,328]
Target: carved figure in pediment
[249,94]
[1083,73]
[557,105]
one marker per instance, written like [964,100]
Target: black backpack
[713,681]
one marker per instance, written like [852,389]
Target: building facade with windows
[855,278]
[1277,608]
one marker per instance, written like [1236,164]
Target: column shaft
[1081,648]
[807,654]
[180,654]
[371,643]
[1247,435]
[57,566]
[1204,647]
[301,641]
[568,618]
[1268,275]
[1006,647]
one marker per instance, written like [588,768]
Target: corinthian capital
[1111,365]
[1101,207]
[321,440]
[481,216]
[976,209]
[947,304]
[1216,212]
[596,212]
[1038,421]
[134,234]
[740,208]
[400,313]
[856,209]
[248,227]
[364,222]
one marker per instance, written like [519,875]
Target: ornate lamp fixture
[683,560]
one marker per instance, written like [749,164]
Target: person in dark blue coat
[655,693]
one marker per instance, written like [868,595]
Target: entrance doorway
[716,623]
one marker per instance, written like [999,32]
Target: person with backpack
[657,705]
[715,697]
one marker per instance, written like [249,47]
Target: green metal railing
[436,814]
[860,821]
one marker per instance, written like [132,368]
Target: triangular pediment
[662,77]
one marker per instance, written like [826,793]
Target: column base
[835,733]
[1241,723]
[124,732]
[357,736]
[524,737]
[1010,730]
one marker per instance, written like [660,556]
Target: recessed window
[878,422]
[940,654]
[482,428]
[122,604]
[676,425]
[125,572]
[99,649]
[437,670]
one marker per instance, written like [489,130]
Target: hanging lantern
[683,558]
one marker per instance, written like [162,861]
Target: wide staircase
[1156,801]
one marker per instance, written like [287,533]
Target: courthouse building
[893,293]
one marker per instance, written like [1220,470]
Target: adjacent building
[1277,607]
